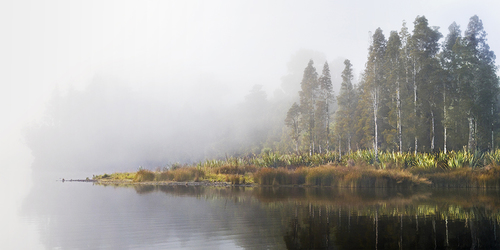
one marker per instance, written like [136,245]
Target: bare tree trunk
[415,104]
[340,148]
[349,142]
[297,146]
[312,115]
[398,104]
[445,139]
[470,144]
[375,109]
[327,127]
[475,134]
[445,118]
[432,131]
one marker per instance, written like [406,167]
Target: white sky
[175,46]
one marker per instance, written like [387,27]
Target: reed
[357,169]
[183,174]
[338,176]
[144,175]
[276,176]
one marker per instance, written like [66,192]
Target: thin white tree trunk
[327,126]
[470,143]
[375,109]
[445,118]
[475,134]
[349,142]
[415,104]
[492,135]
[432,131]
[340,148]
[398,104]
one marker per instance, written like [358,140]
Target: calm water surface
[87,216]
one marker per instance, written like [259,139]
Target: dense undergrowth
[357,169]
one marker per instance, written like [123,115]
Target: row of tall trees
[310,120]
[415,94]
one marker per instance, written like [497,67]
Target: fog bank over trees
[416,93]
[113,125]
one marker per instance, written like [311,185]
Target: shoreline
[229,184]
[163,183]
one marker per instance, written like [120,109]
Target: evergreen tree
[374,80]
[409,97]
[449,63]
[308,97]
[478,84]
[292,122]
[424,46]
[393,74]
[347,103]
[324,103]
[408,128]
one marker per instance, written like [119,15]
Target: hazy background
[99,86]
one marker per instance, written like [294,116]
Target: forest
[419,92]
[415,95]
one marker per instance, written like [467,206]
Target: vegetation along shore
[416,105]
[357,169]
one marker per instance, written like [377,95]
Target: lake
[73,215]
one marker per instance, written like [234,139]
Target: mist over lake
[319,95]
[197,217]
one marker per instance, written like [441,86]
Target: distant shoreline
[164,183]
[360,169]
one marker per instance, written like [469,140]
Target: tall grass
[144,175]
[178,174]
[358,168]
[338,176]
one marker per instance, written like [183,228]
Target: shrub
[321,176]
[493,158]
[144,175]
[186,174]
[278,176]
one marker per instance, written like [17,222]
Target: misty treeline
[415,94]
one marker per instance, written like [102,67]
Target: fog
[112,125]
[104,86]
[88,87]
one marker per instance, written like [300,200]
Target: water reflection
[82,215]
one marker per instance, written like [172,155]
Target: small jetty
[78,180]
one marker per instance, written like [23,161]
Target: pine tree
[449,62]
[374,79]
[394,76]
[424,46]
[347,102]
[478,84]
[308,97]
[292,122]
[408,128]
[324,103]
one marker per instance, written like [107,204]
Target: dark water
[86,216]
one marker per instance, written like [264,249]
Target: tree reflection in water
[324,218]
[264,217]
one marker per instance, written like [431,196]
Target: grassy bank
[358,169]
